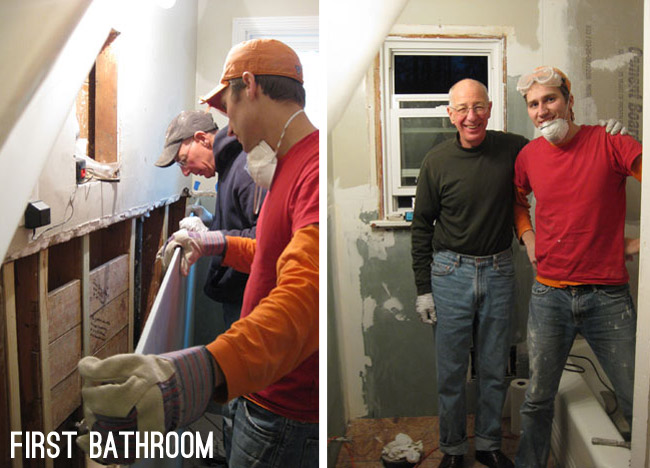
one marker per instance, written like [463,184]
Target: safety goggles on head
[546,76]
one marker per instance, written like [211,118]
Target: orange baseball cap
[260,57]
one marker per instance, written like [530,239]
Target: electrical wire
[571,367]
[71,204]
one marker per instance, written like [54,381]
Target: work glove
[193,224]
[613,126]
[197,210]
[135,392]
[194,245]
[425,307]
[402,449]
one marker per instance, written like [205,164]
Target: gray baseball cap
[182,127]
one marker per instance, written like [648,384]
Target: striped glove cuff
[211,242]
[195,379]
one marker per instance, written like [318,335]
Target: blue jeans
[473,297]
[605,316]
[262,439]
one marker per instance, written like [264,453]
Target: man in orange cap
[266,364]
[578,175]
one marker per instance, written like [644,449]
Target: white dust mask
[261,162]
[555,130]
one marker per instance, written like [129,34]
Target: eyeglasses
[479,109]
[182,160]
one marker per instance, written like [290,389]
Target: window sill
[390,224]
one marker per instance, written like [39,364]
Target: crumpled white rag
[402,448]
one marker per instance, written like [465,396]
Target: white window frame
[301,33]
[491,47]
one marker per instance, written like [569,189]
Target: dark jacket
[233,214]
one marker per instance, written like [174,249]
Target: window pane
[417,136]
[435,74]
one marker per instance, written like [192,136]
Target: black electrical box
[37,214]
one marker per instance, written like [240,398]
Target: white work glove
[194,244]
[134,392]
[613,126]
[403,448]
[201,212]
[425,307]
[193,224]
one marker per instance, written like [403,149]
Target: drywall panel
[156,63]
[367,37]
[165,328]
[33,49]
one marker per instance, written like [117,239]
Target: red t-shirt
[580,204]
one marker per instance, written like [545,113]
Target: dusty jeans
[605,316]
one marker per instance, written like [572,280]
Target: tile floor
[369,436]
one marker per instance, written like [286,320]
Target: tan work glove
[194,244]
[134,392]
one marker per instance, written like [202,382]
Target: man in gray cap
[194,143]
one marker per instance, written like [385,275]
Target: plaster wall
[156,57]
[215,33]
[31,50]
[386,355]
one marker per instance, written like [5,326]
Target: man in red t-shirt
[266,364]
[577,174]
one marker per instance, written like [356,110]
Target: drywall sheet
[165,327]
[164,331]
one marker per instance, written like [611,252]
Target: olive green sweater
[464,201]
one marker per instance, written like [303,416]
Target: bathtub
[580,415]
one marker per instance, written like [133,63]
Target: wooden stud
[5,429]
[46,394]
[26,275]
[11,349]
